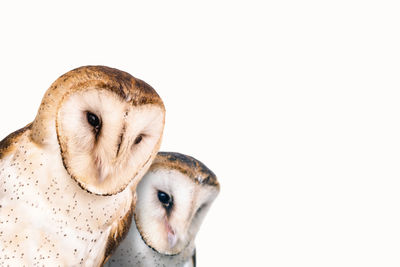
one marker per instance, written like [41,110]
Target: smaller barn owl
[172,201]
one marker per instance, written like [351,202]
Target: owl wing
[193,259]
[7,144]
[117,234]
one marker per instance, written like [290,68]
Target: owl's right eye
[164,198]
[93,120]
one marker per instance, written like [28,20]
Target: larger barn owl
[172,201]
[66,178]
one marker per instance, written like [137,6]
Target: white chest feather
[134,252]
[46,219]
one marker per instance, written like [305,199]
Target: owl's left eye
[138,139]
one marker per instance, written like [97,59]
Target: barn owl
[172,201]
[66,178]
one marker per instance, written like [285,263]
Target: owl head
[105,124]
[172,201]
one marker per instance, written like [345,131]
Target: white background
[295,105]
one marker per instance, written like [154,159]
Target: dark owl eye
[138,139]
[164,198]
[93,120]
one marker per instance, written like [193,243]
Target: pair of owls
[69,181]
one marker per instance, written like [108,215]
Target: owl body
[65,197]
[45,217]
[133,251]
[172,201]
